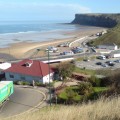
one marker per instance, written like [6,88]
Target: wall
[17,77]
[116,55]
[46,78]
[28,78]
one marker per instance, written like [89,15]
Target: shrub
[21,83]
[85,88]
[96,82]
[40,84]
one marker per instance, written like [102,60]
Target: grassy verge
[84,71]
[100,89]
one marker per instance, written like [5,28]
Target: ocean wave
[4,34]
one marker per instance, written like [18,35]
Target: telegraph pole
[49,77]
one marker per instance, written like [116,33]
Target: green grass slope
[113,36]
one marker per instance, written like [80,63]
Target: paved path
[23,100]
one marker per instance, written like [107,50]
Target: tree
[65,70]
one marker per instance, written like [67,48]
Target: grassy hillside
[99,110]
[113,36]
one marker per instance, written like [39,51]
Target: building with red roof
[29,70]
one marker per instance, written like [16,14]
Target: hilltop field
[100,110]
[113,36]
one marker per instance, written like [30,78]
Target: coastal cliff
[100,20]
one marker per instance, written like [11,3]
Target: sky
[24,10]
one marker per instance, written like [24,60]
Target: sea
[34,31]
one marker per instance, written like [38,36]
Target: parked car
[64,44]
[77,50]
[52,48]
[111,64]
[98,63]
[107,56]
[101,57]
[87,60]
[60,45]
[104,65]
[117,61]
[108,62]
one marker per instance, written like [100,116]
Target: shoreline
[19,49]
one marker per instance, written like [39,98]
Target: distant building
[29,70]
[115,54]
[108,46]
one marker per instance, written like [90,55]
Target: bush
[85,88]
[25,83]
[21,83]
[40,84]
[96,82]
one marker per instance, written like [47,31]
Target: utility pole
[49,76]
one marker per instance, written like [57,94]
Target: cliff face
[101,20]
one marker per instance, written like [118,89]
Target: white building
[5,65]
[29,70]
[115,54]
[108,46]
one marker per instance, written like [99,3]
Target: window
[11,76]
[22,77]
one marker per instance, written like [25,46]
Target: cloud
[41,11]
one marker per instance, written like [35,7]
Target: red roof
[30,67]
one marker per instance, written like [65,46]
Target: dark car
[117,61]
[98,63]
[111,64]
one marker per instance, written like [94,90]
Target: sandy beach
[25,49]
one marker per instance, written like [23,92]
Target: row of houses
[28,70]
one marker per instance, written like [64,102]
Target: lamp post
[49,76]
[48,72]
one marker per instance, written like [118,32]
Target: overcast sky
[54,9]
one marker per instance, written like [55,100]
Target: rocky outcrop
[101,20]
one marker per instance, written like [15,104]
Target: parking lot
[104,64]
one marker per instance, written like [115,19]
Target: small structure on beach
[52,49]
[29,70]
[66,44]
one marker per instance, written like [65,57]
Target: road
[22,100]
